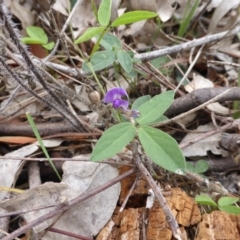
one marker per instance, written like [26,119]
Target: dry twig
[59,105]
[157,191]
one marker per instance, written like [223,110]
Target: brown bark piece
[183,207]
[141,188]
[157,226]
[236,221]
[187,210]
[129,224]
[126,225]
[218,226]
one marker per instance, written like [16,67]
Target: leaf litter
[79,177]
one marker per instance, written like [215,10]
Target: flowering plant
[145,111]
[115,97]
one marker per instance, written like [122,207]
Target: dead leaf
[97,210]
[201,82]
[13,167]
[162,7]
[83,17]
[22,11]
[143,32]
[17,139]
[86,218]
[43,195]
[224,7]
[201,148]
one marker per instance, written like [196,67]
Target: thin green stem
[96,78]
[96,45]
[35,130]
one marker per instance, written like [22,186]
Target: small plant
[37,36]
[200,166]
[158,145]
[135,122]
[225,204]
[113,53]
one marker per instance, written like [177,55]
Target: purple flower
[114,96]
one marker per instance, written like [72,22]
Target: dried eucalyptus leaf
[88,217]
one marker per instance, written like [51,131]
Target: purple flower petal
[113,94]
[117,103]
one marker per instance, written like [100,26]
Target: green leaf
[37,135]
[136,60]
[159,61]
[100,60]
[125,60]
[28,40]
[113,141]
[162,149]
[49,46]
[73,2]
[140,101]
[205,200]
[110,42]
[201,166]
[230,209]
[37,33]
[89,33]
[131,17]
[155,108]
[224,201]
[104,12]
[132,74]
[190,167]
[158,120]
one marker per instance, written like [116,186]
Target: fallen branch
[201,96]
[58,104]
[150,55]
[187,45]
